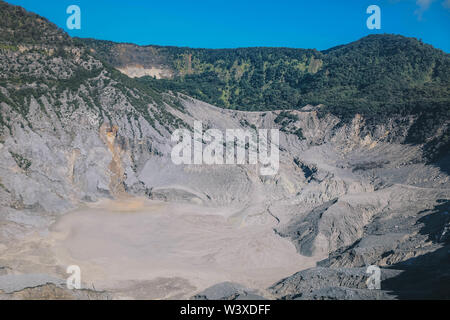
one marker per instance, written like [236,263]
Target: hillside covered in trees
[377,76]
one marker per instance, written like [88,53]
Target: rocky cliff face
[74,130]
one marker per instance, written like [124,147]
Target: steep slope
[59,104]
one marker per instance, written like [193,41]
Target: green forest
[377,76]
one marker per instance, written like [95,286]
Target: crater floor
[139,248]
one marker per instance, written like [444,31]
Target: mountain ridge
[378,76]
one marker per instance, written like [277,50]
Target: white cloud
[423,6]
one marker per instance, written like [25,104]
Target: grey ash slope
[74,130]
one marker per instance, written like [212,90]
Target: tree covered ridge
[368,74]
[243,78]
[377,76]
[20,27]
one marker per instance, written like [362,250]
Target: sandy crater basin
[119,244]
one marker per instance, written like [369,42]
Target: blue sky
[319,24]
